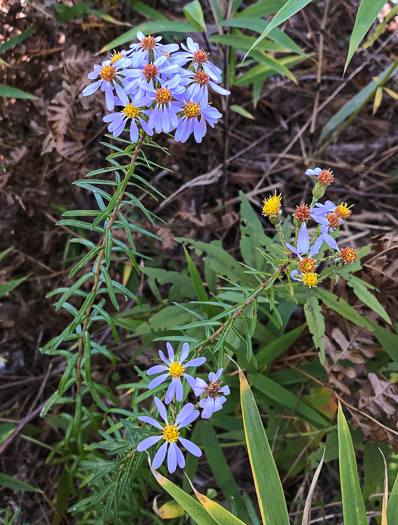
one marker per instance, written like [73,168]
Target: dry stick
[98,270]
[243,308]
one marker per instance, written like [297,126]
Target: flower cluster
[158,89]
[328,216]
[212,397]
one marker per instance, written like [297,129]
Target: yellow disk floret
[310,279]
[171,433]
[176,370]
[192,110]
[272,205]
[108,73]
[343,210]
[131,111]
[115,57]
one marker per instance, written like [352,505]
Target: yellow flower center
[272,205]
[343,211]
[307,265]
[176,370]
[192,110]
[171,433]
[131,111]
[163,96]
[115,57]
[108,73]
[310,279]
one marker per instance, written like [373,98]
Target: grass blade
[367,12]
[392,507]
[266,477]
[354,512]
[187,502]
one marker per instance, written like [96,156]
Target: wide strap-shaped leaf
[392,506]
[187,502]
[354,512]
[266,477]
[221,515]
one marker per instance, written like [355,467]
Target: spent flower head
[213,394]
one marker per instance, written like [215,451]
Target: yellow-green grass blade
[266,477]
[354,512]
[221,516]
[187,502]
[392,506]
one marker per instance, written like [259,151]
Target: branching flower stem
[98,268]
[266,283]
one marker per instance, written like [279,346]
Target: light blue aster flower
[303,244]
[139,51]
[109,73]
[132,111]
[199,58]
[213,401]
[194,117]
[176,369]
[313,172]
[150,73]
[170,434]
[163,117]
[199,84]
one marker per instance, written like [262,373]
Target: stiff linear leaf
[16,39]
[354,512]
[241,111]
[74,288]
[356,102]
[261,72]
[187,502]
[343,308]
[221,470]
[266,477]
[194,14]
[367,13]
[221,515]
[362,292]
[287,399]
[11,92]
[9,482]
[263,8]
[392,507]
[316,324]
[288,10]
[10,285]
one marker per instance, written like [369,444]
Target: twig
[243,308]
[98,272]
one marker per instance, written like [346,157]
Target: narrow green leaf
[261,9]
[362,292]
[316,323]
[108,247]
[343,308]
[9,482]
[73,289]
[16,40]
[109,286]
[4,253]
[87,355]
[200,290]
[392,506]
[67,374]
[85,260]
[367,13]
[287,399]
[261,72]
[194,14]
[356,102]
[278,346]
[146,10]
[266,477]
[220,469]
[10,285]
[241,111]
[11,92]
[288,10]
[353,506]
